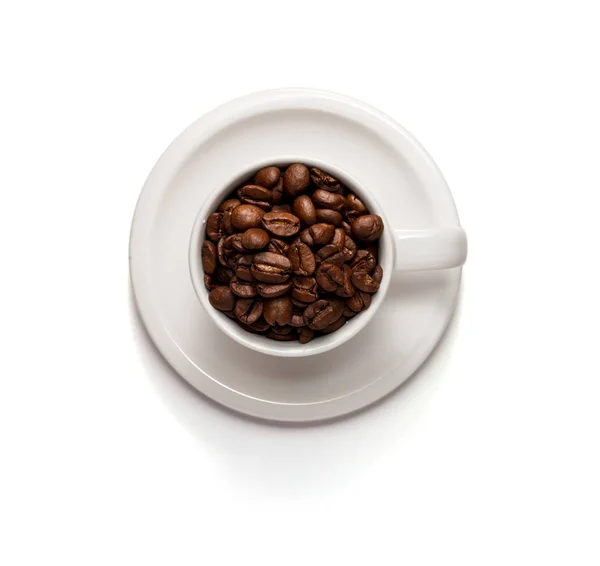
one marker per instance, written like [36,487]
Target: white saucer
[331,128]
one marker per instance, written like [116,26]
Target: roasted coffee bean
[277,192]
[360,301]
[260,325]
[305,210]
[281,337]
[305,335]
[248,311]
[354,206]
[227,224]
[339,237]
[302,259]
[296,179]
[271,291]
[224,275]
[278,246]
[306,238]
[305,290]
[209,257]
[246,216]
[208,282]
[330,253]
[283,330]
[271,268]
[255,239]
[267,177]
[297,320]
[324,199]
[321,233]
[230,314]
[328,216]
[256,195]
[363,261]
[222,298]
[347,228]
[249,327]
[299,305]
[228,205]
[364,282]
[334,326]
[346,289]
[329,277]
[348,312]
[226,253]
[281,224]
[348,249]
[282,208]
[234,242]
[377,274]
[214,226]
[242,288]
[367,228]
[243,268]
[323,312]
[324,181]
[278,311]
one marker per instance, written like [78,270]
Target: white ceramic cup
[399,250]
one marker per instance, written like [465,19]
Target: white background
[489,456]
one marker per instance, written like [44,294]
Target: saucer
[329,128]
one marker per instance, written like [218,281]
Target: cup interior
[261,343]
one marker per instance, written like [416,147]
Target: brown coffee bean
[324,181]
[281,337]
[330,253]
[339,237]
[246,216]
[260,325]
[360,301]
[209,257]
[324,199]
[255,239]
[278,246]
[334,326]
[277,192]
[222,298]
[281,224]
[271,291]
[347,228]
[267,177]
[214,226]
[282,208]
[208,282]
[305,290]
[348,249]
[302,259]
[305,335]
[304,209]
[354,206]
[229,229]
[256,195]
[242,288]
[248,311]
[278,311]
[348,313]
[363,261]
[321,233]
[297,320]
[367,228]
[346,289]
[299,305]
[224,275]
[329,277]
[296,179]
[328,216]
[364,282]
[283,330]
[228,205]
[230,314]
[323,312]
[271,268]
[243,265]
[226,253]
[306,238]
[377,274]
[234,242]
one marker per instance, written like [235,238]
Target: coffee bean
[328,216]
[282,208]
[228,205]
[242,288]
[214,226]
[377,274]
[363,261]
[304,209]
[281,337]
[209,257]
[347,228]
[364,282]
[230,314]
[208,282]
[330,253]
[227,224]
[255,239]
[271,291]
[360,301]
[346,289]
[305,290]
[321,233]
[222,298]
[324,181]
[305,335]
[283,330]
[367,228]
[324,199]
[334,326]
[302,259]
[339,237]
[348,313]
[278,311]
[225,253]
[234,242]
[243,268]
[299,305]
[323,312]
[349,248]
[271,268]
[278,247]
[260,325]
[224,275]
[246,216]
[297,320]
[281,224]
[277,192]
[329,277]
[256,195]
[267,177]
[354,206]
[248,311]
[296,179]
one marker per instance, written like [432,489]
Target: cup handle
[440,248]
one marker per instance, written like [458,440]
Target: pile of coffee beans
[292,254]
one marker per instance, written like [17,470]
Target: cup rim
[261,343]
